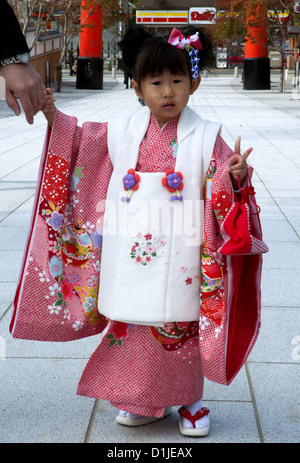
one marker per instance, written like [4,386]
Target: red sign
[202,15]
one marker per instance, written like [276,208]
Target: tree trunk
[282,69]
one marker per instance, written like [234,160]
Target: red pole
[90,61]
[90,45]
[256,61]
[256,44]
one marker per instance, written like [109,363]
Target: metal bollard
[114,73]
[47,74]
[297,76]
[236,72]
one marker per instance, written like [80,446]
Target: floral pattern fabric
[56,300]
[175,345]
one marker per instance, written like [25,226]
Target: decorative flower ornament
[173,182]
[194,63]
[130,183]
[192,44]
[178,40]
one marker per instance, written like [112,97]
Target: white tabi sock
[202,423]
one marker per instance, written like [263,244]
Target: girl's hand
[237,165]
[48,108]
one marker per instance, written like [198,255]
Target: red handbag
[241,229]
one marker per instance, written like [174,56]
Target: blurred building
[45,54]
[162,15]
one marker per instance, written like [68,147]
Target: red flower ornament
[130,184]
[173,182]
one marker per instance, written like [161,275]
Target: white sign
[202,15]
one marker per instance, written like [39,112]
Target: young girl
[125,198]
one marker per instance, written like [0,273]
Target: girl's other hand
[237,165]
[48,108]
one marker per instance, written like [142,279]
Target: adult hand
[237,165]
[23,81]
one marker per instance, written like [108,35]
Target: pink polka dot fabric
[141,369]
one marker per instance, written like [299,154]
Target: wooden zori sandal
[196,432]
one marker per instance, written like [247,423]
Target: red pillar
[90,61]
[256,45]
[90,44]
[256,62]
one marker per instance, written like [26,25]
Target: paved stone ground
[38,401]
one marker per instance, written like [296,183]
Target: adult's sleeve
[12,39]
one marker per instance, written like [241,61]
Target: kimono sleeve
[57,292]
[230,281]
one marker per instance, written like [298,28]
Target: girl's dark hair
[144,55]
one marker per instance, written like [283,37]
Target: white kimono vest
[151,253]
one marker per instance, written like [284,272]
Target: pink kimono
[141,369]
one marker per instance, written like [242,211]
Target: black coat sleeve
[12,40]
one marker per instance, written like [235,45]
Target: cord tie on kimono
[248,192]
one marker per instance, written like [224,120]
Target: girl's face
[166,95]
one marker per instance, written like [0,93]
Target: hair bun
[130,44]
